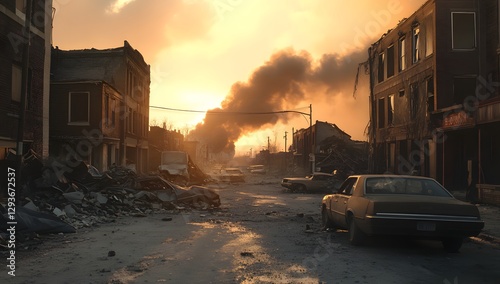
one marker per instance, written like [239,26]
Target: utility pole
[285,140]
[312,157]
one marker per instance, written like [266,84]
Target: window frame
[402,54]
[453,31]
[390,61]
[381,67]
[415,46]
[381,113]
[16,83]
[390,110]
[70,122]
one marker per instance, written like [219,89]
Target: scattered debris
[246,254]
[51,203]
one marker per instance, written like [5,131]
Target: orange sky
[198,49]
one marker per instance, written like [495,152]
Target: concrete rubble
[49,203]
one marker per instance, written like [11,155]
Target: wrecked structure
[325,147]
[103,95]
[435,107]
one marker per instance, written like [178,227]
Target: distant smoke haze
[285,82]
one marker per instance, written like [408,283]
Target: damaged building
[100,103]
[434,103]
[325,147]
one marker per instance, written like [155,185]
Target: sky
[242,56]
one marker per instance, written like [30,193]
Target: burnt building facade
[85,123]
[434,103]
[118,106]
[24,71]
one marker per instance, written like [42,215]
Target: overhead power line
[230,112]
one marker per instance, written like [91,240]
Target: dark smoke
[287,79]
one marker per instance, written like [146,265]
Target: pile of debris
[342,156]
[62,203]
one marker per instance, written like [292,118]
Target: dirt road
[259,235]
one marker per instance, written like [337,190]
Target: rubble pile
[83,197]
[343,156]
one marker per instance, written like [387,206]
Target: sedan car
[257,169]
[232,175]
[315,182]
[370,205]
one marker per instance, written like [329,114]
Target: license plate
[426,226]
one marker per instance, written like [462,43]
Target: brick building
[123,79]
[85,123]
[435,109]
[12,45]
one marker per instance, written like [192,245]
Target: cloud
[118,5]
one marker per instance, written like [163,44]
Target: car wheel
[452,244]
[356,236]
[300,188]
[326,221]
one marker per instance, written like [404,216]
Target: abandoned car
[257,169]
[316,182]
[231,175]
[370,205]
[170,192]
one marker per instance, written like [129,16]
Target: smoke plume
[287,79]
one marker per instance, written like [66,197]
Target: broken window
[113,112]
[462,88]
[381,113]
[402,55]
[390,109]
[430,95]
[16,82]
[463,30]
[381,63]
[416,44]
[390,61]
[79,103]
[429,36]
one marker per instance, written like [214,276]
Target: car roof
[364,176]
[321,174]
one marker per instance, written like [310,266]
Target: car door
[340,200]
[319,182]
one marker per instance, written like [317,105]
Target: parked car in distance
[232,175]
[257,169]
[315,182]
[411,206]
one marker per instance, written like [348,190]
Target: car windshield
[410,186]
